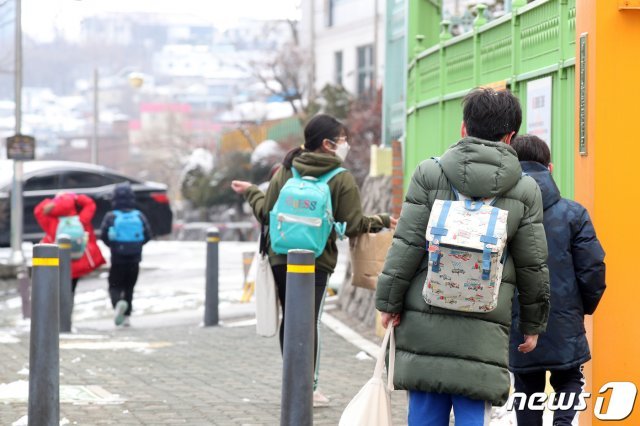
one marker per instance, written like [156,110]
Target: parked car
[44,179]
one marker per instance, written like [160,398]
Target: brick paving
[186,375]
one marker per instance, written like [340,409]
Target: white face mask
[342,150]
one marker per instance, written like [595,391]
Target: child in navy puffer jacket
[125,230]
[577,275]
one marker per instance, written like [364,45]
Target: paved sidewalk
[179,375]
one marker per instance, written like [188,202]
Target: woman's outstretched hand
[394,222]
[240,186]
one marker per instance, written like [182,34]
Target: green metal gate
[534,41]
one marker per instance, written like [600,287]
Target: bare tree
[162,150]
[365,125]
[282,73]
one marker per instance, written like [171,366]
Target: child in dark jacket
[577,274]
[124,230]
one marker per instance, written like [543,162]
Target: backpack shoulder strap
[330,175]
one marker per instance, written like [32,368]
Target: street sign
[21,147]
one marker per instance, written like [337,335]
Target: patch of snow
[18,391]
[22,421]
[12,303]
[114,345]
[8,338]
[201,159]
[266,152]
[89,296]
[363,356]
[14,391]
[82,336]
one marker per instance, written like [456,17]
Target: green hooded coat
[345,199]
[446,351]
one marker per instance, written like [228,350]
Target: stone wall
[357,302]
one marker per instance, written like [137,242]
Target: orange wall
[608,178]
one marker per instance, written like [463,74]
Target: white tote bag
[372,405]
[266,298]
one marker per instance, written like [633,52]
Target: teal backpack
[126,235]
[302,217]
[73,228]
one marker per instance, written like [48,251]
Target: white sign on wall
[539,108]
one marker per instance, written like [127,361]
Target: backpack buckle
[486,262]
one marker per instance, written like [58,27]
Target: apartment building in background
[346,41]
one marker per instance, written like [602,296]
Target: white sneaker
[319,400]
[121,308]
[126,322]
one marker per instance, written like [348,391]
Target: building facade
[346,41]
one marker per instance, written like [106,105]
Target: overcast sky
[41,17]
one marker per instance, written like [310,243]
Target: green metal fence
[532,42]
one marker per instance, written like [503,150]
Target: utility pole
[17,257]
[96,117]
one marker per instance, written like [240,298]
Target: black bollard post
[44,353]
[66,296]
[297,359]
[211,292]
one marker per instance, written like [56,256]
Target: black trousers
[280,276]
[122,280]
[569,381]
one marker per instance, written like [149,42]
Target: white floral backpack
[466,242]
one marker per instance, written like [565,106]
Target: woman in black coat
[577,275]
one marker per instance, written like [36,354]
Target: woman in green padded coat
[325,148]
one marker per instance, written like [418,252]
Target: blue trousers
[433,409]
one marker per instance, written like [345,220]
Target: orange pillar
[607,182]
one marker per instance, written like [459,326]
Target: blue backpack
[73,228]
[126,235]
[302,217]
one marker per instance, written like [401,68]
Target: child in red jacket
[47,213]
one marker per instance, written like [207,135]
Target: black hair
[532,148]
[319,128]
[490,114]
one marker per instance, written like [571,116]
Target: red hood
[65,205]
